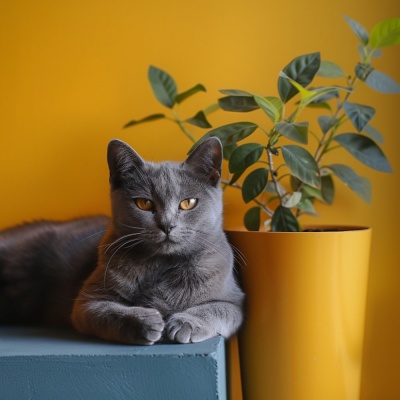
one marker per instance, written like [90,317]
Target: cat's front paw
[187,328]
[150,326]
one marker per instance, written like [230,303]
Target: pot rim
[309,229]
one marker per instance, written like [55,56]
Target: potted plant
[306,288]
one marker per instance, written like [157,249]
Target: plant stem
[274,174]
[183,128]
[328,136]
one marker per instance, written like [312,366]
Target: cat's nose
[166,228]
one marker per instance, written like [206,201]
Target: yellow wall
[73,72]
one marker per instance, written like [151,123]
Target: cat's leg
[113,321]
[204,321]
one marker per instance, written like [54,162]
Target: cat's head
[166,207]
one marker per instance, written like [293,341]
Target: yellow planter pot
[306,294]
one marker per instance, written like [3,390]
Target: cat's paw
[187,328]
[149,327]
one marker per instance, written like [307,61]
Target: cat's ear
[121,159]
[206,160]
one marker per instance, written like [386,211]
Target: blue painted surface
[46,364]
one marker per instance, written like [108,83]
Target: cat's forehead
[170,176]
[167,170]
[164,170]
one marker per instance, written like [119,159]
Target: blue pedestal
[46,364]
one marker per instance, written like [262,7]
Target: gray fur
[161,275]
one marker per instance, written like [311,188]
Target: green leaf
[363,70]
[364,51]
[252,219]
[329,69]
[297,131]
[295,183]
[382,83]
[377,53]
[211,108]
[275,188]
[199,120]
[236,92]
[319,105]
[254,184]
[306,206]
[359,114]
[359,30]
[322,93]
[373,133]
[244,156]
[327,188]
[302,164]
[163,85]
[309,96]
[327,96]
[267,223]
[358,184]
[304,93]
[301,69]
[310,192]
[152,117]
[292,200]
[283,220]
[228,150]
[385,33]
[272,106]
[230,134]
[365,150]
[238,103]
[234,132]
[235,177]
[182,96]
[326,123]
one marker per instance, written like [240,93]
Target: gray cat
[160,269]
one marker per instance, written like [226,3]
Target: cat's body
[164,269]
[42,267]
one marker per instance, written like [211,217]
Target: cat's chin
[168,246]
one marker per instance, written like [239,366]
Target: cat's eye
[188,204]
[144,204]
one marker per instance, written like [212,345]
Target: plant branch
[274,174]
[183,128]
[328,136]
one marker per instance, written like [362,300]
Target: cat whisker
[129,248]
[239,259]
[94,234]
[134,242]
[131,227]
[130,235]
[210,244]
[239,256]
